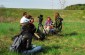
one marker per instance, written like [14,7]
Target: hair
[49,18]
[24,13]
[57,15]
[29,16]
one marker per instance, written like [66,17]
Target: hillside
[76,7]
[70,41]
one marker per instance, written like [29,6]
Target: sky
[41,4]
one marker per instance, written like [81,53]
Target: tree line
[76,7]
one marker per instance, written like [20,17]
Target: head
[29,16]
[57,15]
[32,20]
[48,18]
[24,13]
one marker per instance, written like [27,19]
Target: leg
[34,50]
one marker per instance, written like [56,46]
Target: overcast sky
[45,4]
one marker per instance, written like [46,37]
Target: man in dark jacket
[28,31]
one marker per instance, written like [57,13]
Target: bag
[16,44]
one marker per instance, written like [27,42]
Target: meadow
[70,41]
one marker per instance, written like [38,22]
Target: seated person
[48,25]
[24,40]
[58,21]
[34,47]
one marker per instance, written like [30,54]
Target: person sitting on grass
[48,25]
[58,21]
[23,42]
[32,30]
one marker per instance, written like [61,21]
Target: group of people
[23,41]
[50,26]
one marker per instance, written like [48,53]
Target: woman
[48,25]
[58,21]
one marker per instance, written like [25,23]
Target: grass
[69,41]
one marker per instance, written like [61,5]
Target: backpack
[22,42]
[16,43]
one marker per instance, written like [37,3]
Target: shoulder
[61,19]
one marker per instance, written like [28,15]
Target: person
[40,20]
[31,30]
[28,29]
[48,21]
[24,19]
[32,20]
[48,25]
[23,42]
[24,38]
[58,21]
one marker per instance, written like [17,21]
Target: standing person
[40,19]
[58,21]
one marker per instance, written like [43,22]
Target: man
[27,31]
[23,42]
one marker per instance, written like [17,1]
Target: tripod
[40,28]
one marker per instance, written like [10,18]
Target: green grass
[71,41]
[9,28]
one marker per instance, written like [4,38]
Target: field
[68,42]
